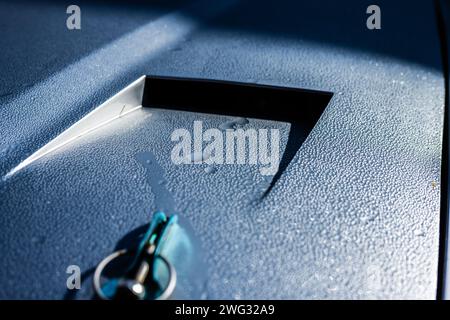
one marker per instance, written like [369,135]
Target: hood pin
[139,280]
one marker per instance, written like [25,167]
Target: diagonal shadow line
[294,142]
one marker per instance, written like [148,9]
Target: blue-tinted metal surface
[355,215]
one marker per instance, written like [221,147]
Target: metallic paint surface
[355,215]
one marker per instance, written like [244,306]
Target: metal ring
[101,266]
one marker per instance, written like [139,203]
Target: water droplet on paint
[210,169]
[367,218]
[234,124]
[198,157]
[39,240]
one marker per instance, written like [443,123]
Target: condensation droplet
[234,124]
[210,169]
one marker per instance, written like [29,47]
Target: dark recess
[441,8]
[299,107]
